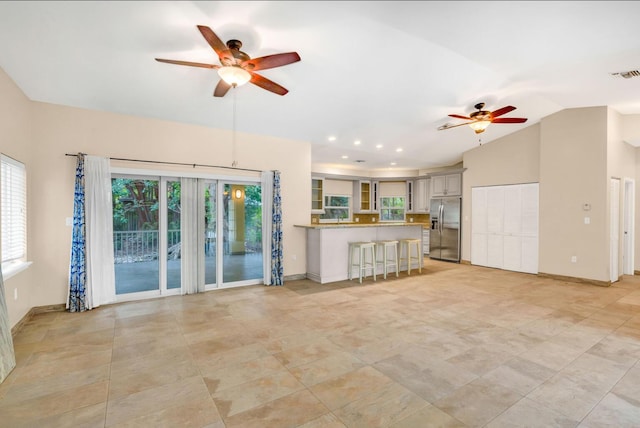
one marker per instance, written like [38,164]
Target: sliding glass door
[135,234]
[173,243]
[210,233]
[150,218]
[242,232]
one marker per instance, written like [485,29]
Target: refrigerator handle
[441,214]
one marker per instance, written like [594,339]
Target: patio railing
[141,245]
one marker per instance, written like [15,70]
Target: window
[392,208]
[336,208]
[13,212]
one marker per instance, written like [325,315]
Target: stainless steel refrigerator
[444,238]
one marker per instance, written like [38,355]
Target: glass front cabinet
[365,196]
[317,195]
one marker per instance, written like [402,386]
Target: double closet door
[170,230]
[504,227]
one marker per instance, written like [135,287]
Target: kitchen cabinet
[375,190]
[409,202]
[328,246]
[425,240]
[446,185]
[362,194]
[421,195]
[317,195]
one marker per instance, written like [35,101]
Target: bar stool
[362,264]
[387,249]
[408,245]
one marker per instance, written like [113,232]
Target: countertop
[352,224]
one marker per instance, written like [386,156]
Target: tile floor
[456,346]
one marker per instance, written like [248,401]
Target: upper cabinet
[365,195]
[421,195]
[446,185]
[317,195]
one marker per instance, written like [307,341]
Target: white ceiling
[380,72]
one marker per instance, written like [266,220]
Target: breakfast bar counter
[328,245]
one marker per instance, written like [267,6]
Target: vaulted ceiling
[385,74]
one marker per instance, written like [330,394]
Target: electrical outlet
[15,294]
[357,219]
[574,259]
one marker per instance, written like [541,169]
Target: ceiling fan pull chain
[233,141]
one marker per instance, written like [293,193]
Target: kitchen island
[328,246]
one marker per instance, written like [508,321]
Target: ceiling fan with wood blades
[238,68]
[481,119]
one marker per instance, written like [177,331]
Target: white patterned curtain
[99,212]
[91,273]
[7,355]
[272,234]
[267,215]
[191,281]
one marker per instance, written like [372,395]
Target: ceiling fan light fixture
[234,75]
[479,126]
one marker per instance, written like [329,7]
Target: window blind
[13,209]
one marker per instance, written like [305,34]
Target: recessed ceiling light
[331,138]
[357,142]
[399,149]
[378,146]
[393,163]
[345,157]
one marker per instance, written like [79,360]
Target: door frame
[614,229]
[628,252]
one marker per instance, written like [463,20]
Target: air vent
[627,74]
[359,160]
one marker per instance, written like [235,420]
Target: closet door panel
[529,254]
[495,209]
[479,249]
[529,210]
[495,251]
[512,256]
[512,210]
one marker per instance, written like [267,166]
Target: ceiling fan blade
[221,89]
[267,84]
[449,126]
[457,116]
[509,120]
[271,61]
[501,111]
[225,55]
[192,64]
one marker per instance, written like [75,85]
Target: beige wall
[513,159]
[573,172]
[630,128]
[56,130]
[572,154]
[621,164]
[15,141]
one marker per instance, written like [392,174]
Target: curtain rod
[174,163]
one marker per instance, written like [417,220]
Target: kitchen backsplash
[375,218]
